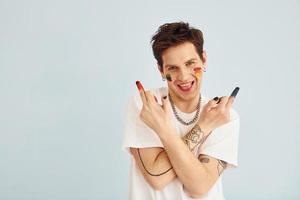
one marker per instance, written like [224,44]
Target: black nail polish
[165,97]
[235,91]
[216,98]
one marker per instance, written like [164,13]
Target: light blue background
[67,69]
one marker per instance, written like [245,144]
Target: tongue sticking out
[186,87]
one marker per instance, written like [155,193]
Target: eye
[191,63]
[171,68]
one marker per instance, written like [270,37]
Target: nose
[184,74]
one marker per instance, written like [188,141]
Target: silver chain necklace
[177,116]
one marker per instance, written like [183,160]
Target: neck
[185,105]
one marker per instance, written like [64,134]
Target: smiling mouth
[186,87]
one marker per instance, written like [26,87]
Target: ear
[204,60]
[161,70]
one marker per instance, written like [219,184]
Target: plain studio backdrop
[67,69]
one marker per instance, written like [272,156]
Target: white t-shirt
[221,144]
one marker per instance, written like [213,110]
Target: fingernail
[235,91]
[139,85]
[164,97]
[155,99]
[216,98]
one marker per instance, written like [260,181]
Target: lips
[185,87]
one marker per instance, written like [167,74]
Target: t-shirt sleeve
[222,143]
[136,133]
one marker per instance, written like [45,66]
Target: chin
[186,97]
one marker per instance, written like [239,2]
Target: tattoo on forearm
[151,174]
[221,166]
[194,138]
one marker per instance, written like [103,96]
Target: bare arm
[154,162]
[154,165]
[195,176]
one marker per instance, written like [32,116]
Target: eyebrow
[190,60]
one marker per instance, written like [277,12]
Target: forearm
[162,166]
[187,167]
[195,137]
[155,167]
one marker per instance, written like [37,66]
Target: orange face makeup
[197,72]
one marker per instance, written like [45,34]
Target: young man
[180,142]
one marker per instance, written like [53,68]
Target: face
[180,62]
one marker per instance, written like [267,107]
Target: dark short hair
[173,34]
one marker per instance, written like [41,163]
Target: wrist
[205,128]
[166,133]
